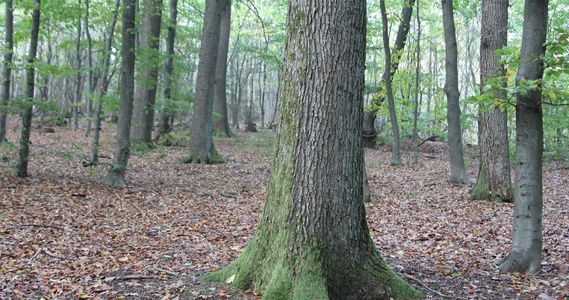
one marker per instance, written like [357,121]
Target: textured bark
[201,129]
[494,178]
[104,84]
[370,115]
[116,174]
[149,57]
[30,85]
[457,168]
[312,241]
[527,238]
[166,116]
[396,144]
[6,69]
[221,122]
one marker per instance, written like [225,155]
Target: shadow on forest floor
[64,235]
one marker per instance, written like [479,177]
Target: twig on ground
[136,277]
[57,256]
[428,288]
[36,225]
[16,267]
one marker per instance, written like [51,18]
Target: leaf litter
[65,236]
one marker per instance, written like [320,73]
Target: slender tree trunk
[30,84]
[396,146]
[77,98]
[312,241]
[527,238]
[457,168]
[149,56]
[417,92]
[221,121]
[116,175]
[494,179]
[6,68]
[90,72]
[370,115]
[166,116]
[104,83]
[201,131]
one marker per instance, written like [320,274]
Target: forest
[199,149]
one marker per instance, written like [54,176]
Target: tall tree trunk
[30,85]
[527,239]
[417,89]
[221,121]
[201,130]
[369,133]
[77,98]
[457,168]
[166,115]
[116,174]
[90,72]
[396,145]
[6,68]
[312,241]
[149,56]
[104,83]
[494,181]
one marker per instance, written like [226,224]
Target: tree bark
[6,68]
[369,133]
[312,241]
[90,72]
[77,98]
[104,83]
[457,168]
[201,130]
[166,116]
[149,57]
[30,85]
[527,238]
[116,175]
[494,179]
[221,122]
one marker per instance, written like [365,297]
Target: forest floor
[65,236]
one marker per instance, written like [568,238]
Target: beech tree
[221,122]
[494,181]
[201,129]
[115,175]
[527,238]
[6,68]
[312,241]
[30,85]
[457,168]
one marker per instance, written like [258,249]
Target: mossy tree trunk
[115,176]
[202,149]
[312,241]
[527,237]
[494,178]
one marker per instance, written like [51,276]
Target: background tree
[527,238]
[149,58]
[78,70]
[6,67]
[494,182]
[457,168]
[115,175]
[202,149]
[313,241]
[221,121]
[30,85]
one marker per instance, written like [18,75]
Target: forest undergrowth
[65,236]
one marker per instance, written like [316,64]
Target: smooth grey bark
[78,54]
[149,57]
[30,85]
[116,175]
[494,178]
[166,115]
[396,145]
[369,133]
[527,238]
[202,149]
[90,72]
[6,68]
[221,121]
[104,83]
[312,241]
[457,168]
